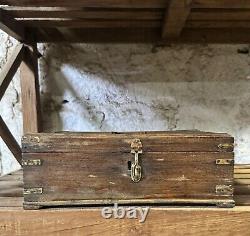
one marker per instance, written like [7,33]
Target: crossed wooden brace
[24,57]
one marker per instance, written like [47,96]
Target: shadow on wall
[174,87]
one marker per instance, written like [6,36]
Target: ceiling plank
[85,13]
[89,3]
[11,26]
[71,23]
[176,15]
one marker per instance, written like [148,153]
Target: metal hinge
[31,162]
[224,189]
[225,146]
[27,191]
[224,161]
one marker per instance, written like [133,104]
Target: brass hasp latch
[136,169]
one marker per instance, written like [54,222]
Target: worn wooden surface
[79,168]
[10,141]
[32,119]
[160,221]
[159,21]
[187,141]
[88,221]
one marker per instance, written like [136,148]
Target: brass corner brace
[224,161]
[224,189]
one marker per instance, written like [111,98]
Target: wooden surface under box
[88,221]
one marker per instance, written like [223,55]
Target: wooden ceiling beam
[149,35]
[11,26]
[89,3]
[125,3]
[106,14]
[90,24]
[175,18]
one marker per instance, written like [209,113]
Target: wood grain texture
[141,35]
[91,24]
[120,142]
[32,119]
[126,3]
[93,168]
[160,221]
[175,18]
[10,68]
[10,141]
[85,13]
[89,3]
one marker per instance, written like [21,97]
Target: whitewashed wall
[138,87]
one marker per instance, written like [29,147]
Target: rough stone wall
[140,87]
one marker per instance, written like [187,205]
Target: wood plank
[242,200]
[32,120]
[10,141]
[221,4]
[85,13]
[218,24]
[126,3]
[149,35]
[10,202]
[11,26]
[71,23]
[219,14]
[160,221]
[184,141]
[176,15]
[8,71]
[110,180]
[88,3]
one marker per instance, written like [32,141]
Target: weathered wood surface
[178,167]
[175,18]
[88,221]
[160,221]
[32,118]
[127,3]
[10,141]
[187,141]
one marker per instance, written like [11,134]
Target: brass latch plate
[28,191]
[224,161]
[36,162]
[226,146]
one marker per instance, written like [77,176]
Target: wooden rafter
[11,26]
[176,15]
[10,141]
[10,68]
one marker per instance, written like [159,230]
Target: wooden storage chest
[177,168]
